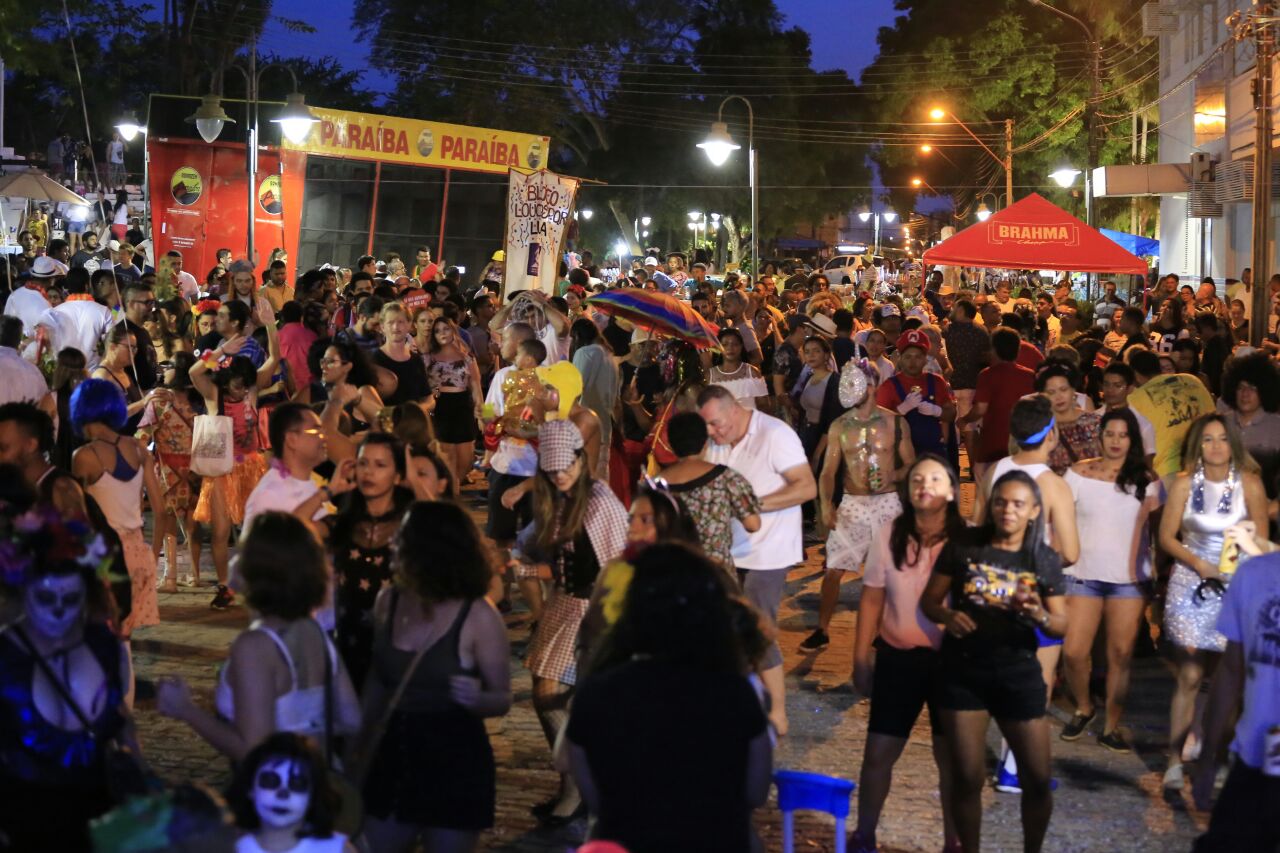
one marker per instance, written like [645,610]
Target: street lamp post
[983,212]
[938,114]
[719,145]
[887,216]
[295,122]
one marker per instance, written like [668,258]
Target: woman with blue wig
[114,468]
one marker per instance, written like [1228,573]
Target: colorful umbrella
[658,313]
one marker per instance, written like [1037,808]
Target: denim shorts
[1104,589]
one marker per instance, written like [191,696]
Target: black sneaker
[223,598]
[1075,728]
[817,640]
[1114,741]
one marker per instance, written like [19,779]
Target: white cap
[639,335]
[650,261]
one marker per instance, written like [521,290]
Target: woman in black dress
[431,776]
[359,542]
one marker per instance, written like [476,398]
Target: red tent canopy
[1035,234]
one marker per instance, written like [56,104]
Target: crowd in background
[644,500]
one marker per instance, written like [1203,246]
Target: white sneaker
[1173,777]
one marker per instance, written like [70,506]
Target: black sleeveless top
[428,690]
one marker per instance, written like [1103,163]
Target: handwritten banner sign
[539,205]
[364,136]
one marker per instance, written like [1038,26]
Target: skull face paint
[55,603]
[281,792]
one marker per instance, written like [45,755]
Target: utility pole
[1008,162]
[1090,114]
[1258,24]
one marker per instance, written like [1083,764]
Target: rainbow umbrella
[658,313]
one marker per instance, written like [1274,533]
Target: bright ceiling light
[937,113]
[983,212]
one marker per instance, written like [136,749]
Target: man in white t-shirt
[80,322]
[297,438]
[23,381]
[188,287]
[28,304]
[768,453]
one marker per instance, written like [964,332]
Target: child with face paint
[64,674]
[281,796]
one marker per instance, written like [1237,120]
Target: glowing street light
[719,144]
[586,213]
[983,212]
[645,220]
[1064,176]
[129,127]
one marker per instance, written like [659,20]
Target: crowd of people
[643,502]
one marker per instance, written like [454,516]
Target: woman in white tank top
[1115,494]
[275,677]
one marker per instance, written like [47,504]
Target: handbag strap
[376,738]
[62,689]
[328,696]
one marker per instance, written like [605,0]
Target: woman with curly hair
[1251,402]
[1077,429]
[431,773]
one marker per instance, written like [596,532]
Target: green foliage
[1007,59]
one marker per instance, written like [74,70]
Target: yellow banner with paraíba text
[390,139]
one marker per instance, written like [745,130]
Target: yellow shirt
[1171,402]
[277,296]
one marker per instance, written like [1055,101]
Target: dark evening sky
[843,31]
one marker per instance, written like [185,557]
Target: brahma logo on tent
[1031,234]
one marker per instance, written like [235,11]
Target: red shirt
[1000,386]
[1029,357]
[887,394]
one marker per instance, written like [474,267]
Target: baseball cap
[913,338]
[650,261]
[889,310]
[559,443]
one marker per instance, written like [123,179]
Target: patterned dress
[714,501]
[1078,440]
[169,423]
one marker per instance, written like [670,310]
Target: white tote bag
[212,454]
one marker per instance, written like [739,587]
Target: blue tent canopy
[1136,244]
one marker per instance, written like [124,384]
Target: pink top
[903,625]
[295,340]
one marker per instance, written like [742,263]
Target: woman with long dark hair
[991,589]
[896,660]
[671,674]
[359,541]
[1218,487]
[343,363]
[1169,326]
[1114,496]
[579,527]
[70,369]
[168,421]
[454,379]
[431,775]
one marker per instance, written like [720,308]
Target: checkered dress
[553,651]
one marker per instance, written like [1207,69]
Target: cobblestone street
[1105,801]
